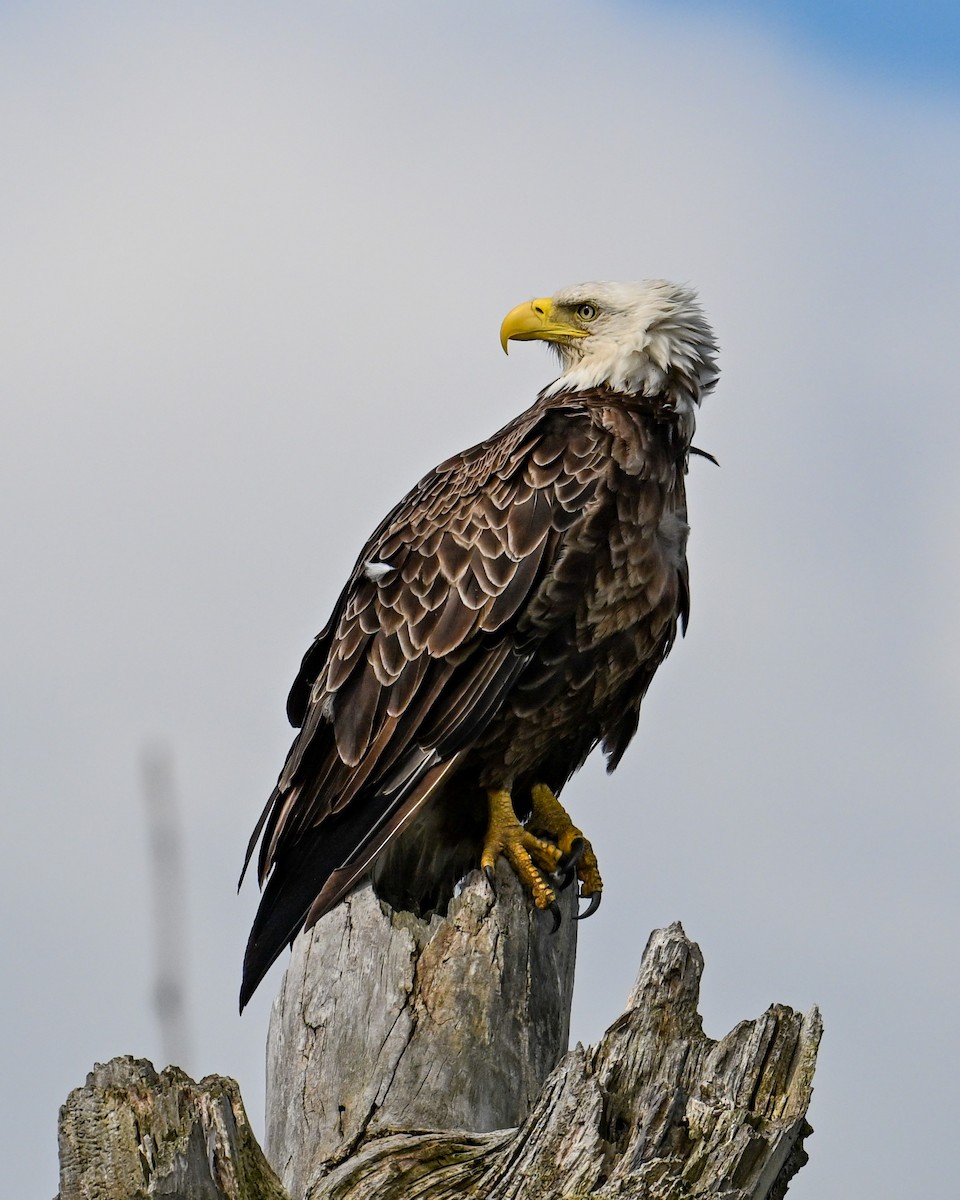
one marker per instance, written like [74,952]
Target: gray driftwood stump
[413,1060]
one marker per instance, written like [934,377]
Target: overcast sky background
[255,261]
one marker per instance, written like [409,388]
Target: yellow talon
[531,856]
[522,850]
[550,817]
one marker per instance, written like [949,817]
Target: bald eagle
[504,619]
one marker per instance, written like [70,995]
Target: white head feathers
[643,338]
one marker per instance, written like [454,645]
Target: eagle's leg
[550,817]
[529,856]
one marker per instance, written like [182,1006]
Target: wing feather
[416,660]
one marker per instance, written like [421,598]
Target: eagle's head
[647,338]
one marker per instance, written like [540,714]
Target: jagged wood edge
[656,1110]
[133,1132]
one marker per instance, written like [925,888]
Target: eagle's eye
[586,312]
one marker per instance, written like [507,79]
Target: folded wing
[426,642]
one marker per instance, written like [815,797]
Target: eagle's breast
[624,561]
[635,581]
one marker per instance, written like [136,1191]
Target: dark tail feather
[297,877]
[283,907]
[343,879]
[252,844]
[325,863]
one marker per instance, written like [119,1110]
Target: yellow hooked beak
[533,321]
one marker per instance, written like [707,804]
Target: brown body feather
[504,619]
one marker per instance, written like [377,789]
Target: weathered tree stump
[424,1061]
[130,1133]
[451,1023]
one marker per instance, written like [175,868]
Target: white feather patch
[376,570]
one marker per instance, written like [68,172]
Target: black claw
[491,875]
[572,857]
[591,907]
[556,914]
[565,878]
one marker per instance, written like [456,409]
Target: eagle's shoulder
[447,576]
[458,516]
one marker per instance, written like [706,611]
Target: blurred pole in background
[168,888]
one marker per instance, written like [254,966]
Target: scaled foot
[551,818]
[567,853]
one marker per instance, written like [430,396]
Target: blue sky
[916,44]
